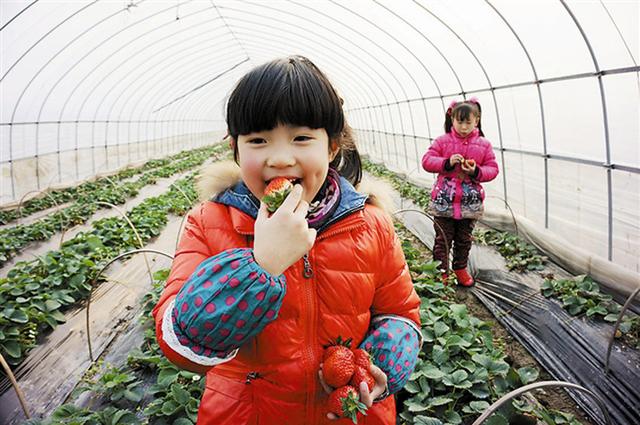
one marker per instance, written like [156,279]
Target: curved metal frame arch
[493,94]
[306,30]
[400,114]
[605,118]
[204,103]
[142,87]
[35,76]
[89,73]
[542,117]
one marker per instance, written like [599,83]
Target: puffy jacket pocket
[226,401]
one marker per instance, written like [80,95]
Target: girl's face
[465,127]
[300,153]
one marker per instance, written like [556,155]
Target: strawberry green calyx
[276,192]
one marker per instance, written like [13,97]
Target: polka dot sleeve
[394,343]
[228,299]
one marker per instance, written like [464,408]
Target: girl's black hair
[293,91]
[462,111]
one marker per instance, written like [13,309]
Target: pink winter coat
[456,194]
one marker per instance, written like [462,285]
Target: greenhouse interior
[472,235]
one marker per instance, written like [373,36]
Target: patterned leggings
[458,235]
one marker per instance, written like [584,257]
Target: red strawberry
[334,346]
[339,367]
[470,163]
[363,374]
[276,192]
[362,358]
[345,403]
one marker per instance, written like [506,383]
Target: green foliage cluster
[519,255]
[15,239]
[35,293]
[121,395]
[461,369]
[581,295]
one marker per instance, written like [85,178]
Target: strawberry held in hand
[338,366]
[276,192]
[344,402]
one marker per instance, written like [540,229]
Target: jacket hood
[223,175]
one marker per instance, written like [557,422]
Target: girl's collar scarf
[325,202]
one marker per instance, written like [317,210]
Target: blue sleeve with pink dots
[394,343]
[228,299]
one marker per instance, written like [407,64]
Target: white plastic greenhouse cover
[91,86]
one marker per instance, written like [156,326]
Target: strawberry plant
[581,295]
[15,239]
[519,255]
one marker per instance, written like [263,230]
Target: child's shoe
[464,278]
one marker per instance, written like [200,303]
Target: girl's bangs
[463,112]
[283,92]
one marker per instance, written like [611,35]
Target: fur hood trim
[222,175]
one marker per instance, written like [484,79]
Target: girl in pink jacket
[463,159]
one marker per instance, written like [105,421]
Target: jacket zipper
[307,273]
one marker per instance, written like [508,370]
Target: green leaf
[167,376]
[182,421]
[452,417]
[479,406]
[426,420]
[438,401]
[439,355]
[170,407]
[19,316]
[528,374]
[12,348]
[480,390]
[52,305]
[433,372]
[497,419]
[180,394]
[412,387]
[440,328]
[415,407]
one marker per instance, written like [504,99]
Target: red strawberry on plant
[363,374]
[338,367]
[344,402]
[276,192]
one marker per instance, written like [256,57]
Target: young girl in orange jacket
[254,297]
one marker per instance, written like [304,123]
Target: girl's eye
[256,141]
[302,138]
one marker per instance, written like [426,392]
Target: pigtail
[347,161]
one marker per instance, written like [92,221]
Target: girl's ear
[334,148]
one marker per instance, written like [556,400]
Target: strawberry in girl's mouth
[276,192]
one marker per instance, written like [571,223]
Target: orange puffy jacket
[359,271]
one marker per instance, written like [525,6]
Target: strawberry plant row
[61,196]
[461,368]
[519,255]
[147,389]
[35,293]
[581,295]
[15,239]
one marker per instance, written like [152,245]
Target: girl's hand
[365,396]
[284,237]
[456,158]
[468,166]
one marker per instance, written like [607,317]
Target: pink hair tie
[453,104]
[473,100]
